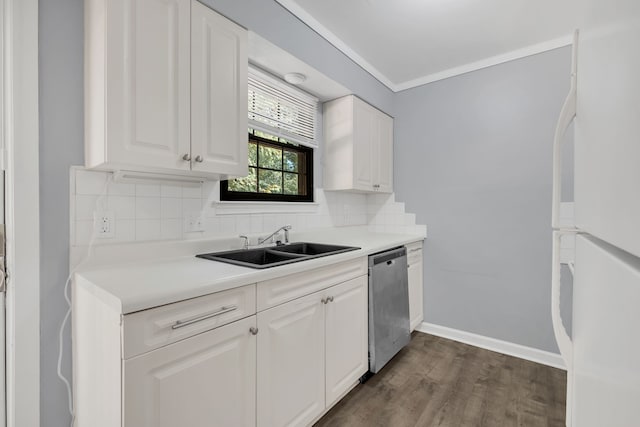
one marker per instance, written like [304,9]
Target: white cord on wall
[99,208]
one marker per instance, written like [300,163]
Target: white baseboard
[504,347]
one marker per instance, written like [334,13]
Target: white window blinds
[280,110]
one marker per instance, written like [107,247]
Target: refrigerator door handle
[562,338]
[567,114]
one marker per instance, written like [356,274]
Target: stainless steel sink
[276,255]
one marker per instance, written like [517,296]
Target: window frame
[226,195]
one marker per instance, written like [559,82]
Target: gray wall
[61,143]
[473,160]
[276,24]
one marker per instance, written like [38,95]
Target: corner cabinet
[165,88]
[358,142]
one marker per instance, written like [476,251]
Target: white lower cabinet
[291,362]
[311,351]
[206,380]
[219,359]
[414,275]
[346,337]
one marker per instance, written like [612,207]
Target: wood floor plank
[438,382]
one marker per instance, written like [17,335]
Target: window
[282,124]
[278,171]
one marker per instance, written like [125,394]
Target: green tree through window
[278,171]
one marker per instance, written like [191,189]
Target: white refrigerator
[603,353]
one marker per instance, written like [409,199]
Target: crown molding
[488,62]
[316,26]
[339,44]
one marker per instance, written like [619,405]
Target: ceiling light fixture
[295,78]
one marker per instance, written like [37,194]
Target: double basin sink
[277,255]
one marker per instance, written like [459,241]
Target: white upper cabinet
[218,93]
[165,88]
[358,147]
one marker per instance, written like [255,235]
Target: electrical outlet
[104,225]
[193,222]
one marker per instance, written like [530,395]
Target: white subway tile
[171,207]
[409,219]
[85,206]
[243,224]
[148,190]
[191,205]
[257,224]
[171,228]
[123,207]
[121,189]
[212,226]
[270,222]
[360,219]
[125,230]
[148,229]
[90,182]
[83,232]
[148,208]
[192,191]
[228,225]
[208,189]
[170,190]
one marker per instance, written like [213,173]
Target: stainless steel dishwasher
[388,306]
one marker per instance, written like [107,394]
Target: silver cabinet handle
[199,158]
[186,157]
[182,323]
[415,250]
[253,330]
[326,300]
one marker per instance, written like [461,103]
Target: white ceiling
[406,43]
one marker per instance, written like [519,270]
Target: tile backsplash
[151,212]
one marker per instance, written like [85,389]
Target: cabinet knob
[199,159]
[186,157]
[253,330]
[324,300]
[330,299]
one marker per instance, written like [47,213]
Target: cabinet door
[346,336]
[364,132]
[206,380]
[384,154]
[147,82]
[415,295]
[218,94]
[291,363]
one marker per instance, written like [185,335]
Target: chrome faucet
[286,229]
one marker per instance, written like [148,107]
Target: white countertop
[145,284]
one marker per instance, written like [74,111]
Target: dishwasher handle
[387,256]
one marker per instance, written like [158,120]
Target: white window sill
[239,208]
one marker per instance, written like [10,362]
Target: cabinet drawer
[277,291]
[150,329]
[414,252]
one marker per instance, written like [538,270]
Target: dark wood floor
[438,382]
